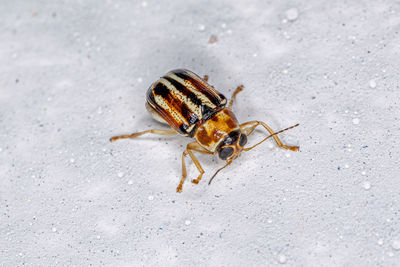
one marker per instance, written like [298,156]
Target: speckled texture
[74,73]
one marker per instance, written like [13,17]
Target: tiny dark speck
[313,97]
[364,146]
[16,80]
[338,168]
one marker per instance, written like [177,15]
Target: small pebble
[292,14]
[282,258]
[130,182]
[120,174]
[364,173]
[54,229]
[372,83]
[187,222]
[72,160]
[396,244]
[367,185]
[213,39]
[201,27]
[356,121]
[151,197]
[380,241]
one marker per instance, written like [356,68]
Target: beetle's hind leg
[194,146]
[133,135]
[248,127]
[237,91]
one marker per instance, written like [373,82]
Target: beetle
[193,108]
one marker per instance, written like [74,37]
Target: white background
[75,73]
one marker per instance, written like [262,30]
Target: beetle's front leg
[248,127]
[153,131]
[194,146]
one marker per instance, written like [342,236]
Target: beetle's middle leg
[248,127]
[133,135]
[194,146]
[238,90]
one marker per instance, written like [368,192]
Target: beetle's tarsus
[292,148]
[179,189]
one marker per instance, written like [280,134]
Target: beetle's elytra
[193,108]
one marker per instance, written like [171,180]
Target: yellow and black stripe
[184,100]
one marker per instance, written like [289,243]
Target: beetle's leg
[248,127]
[194,146]
[205,78]
[153,131]
[238,90]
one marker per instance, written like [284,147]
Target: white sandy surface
[74,73]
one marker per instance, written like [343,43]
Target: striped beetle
[193,108]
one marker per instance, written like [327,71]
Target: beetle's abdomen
[184,100]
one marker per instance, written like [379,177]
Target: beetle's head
[232,146]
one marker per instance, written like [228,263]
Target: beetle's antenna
[247,149]
[229,162]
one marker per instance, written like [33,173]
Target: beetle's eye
[242,140]
[225,152]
